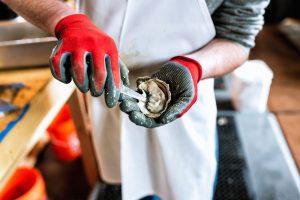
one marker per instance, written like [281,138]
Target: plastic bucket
[25,184]
[65,142]
[63,136]
[250,86]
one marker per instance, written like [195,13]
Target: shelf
[43,108]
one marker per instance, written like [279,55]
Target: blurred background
[46,152]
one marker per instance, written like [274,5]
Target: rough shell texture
[158,96]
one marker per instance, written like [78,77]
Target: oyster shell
[158,96]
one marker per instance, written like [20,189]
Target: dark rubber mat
[110,192]
[232,171]
[219,83]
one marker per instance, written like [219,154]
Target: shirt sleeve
[240,20]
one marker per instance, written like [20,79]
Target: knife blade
[131,93]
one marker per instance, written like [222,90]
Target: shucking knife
[126,90]
[131,93]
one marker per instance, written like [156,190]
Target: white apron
[176,161]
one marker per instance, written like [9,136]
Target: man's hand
[182,74]
[88,56]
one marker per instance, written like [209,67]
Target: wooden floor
[284,100]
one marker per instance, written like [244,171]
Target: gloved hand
[88,56]
[182,74]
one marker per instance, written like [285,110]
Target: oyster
[158,96]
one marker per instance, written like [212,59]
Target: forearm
[43,13]
[220,57]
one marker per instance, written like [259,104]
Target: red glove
[88,56]
[195,70]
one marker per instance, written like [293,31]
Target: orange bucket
[63,136]
[64,141]
[25,184]
[63,115]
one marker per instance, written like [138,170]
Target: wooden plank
[83,127]
[33,79]
[285,97]
[24,75]
[21,139]
[290,124]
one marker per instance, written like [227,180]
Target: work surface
[284,100]
[44,106]
[33,80]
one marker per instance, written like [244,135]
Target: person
[184,43]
